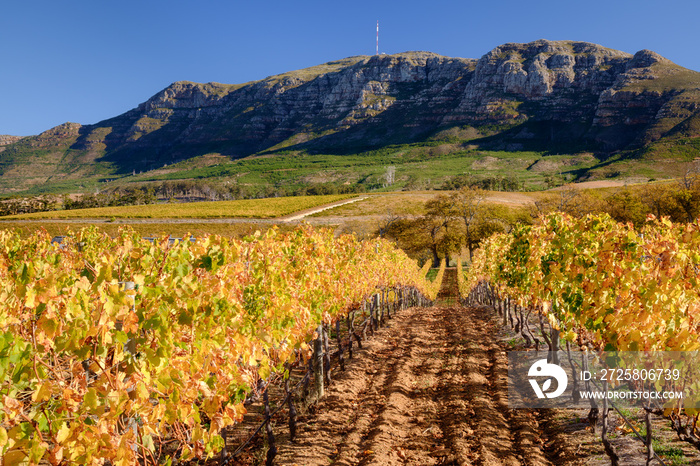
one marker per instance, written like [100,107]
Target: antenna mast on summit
[377,37]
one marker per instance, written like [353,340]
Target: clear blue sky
[85,61]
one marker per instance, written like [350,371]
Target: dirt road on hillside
[430,390]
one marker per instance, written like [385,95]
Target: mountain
[6,140]
[557,96]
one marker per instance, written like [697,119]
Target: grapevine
[604,284]
[110,347]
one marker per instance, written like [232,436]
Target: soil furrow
[387,399]
[428,389]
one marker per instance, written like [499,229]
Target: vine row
[131,351]
[599,285]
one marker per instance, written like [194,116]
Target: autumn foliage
[123,350]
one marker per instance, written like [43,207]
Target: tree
[506,217]
[571,200]
[441,209]
[626,206]
[466,205]
[452,222]
[417,235]
[660,200]
[688,196]
[389,176]
[441,214]
[387,221]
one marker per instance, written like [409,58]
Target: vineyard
[240,208]
[599,285]
[125,350]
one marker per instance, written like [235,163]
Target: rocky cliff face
[6,140]
[518,95]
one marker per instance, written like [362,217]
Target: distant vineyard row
[112,348]
[247,208]
[624,289]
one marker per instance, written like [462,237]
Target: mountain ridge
[542,95]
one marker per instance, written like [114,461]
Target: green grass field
[418,166]
[244,208]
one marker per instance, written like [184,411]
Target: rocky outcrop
[6,139]
[536,94]
[562,79]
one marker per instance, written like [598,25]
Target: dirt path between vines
[429,389]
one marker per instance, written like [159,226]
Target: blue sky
[85,61]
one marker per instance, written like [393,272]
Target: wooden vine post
[650,446]
[318,362]
[290,405]
[609,450]
[271,447]
[341,357]
[326,354]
